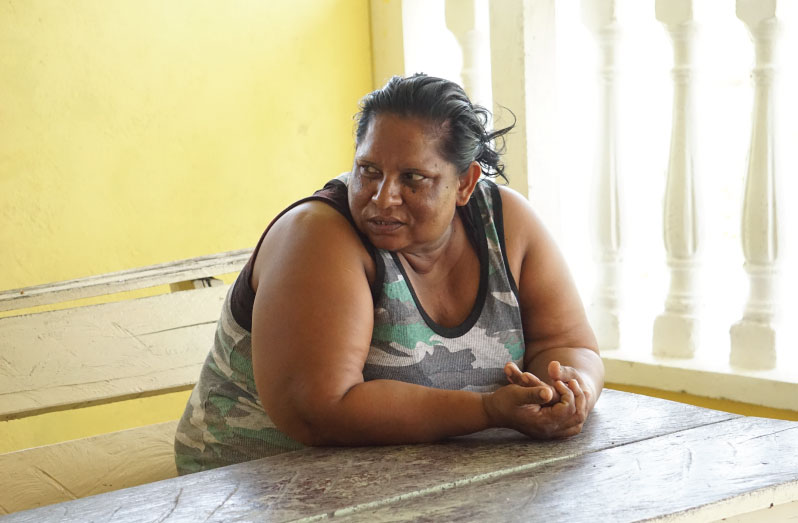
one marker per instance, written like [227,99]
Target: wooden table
[637,458]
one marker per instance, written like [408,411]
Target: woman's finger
[554,368]
[570,431]
[525,379]
[536,395]
[532,380]
[567,401]
[566,394]
[579,398]
[578,415]
[513,373]
[561,372]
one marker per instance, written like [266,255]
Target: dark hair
[464,138]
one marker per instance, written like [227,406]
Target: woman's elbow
[312,426]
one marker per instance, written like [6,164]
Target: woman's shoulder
[512,208]
[516,208]
[320,221]
[498,197]
[314,220]
[523,229]
[318,229]
[324,212]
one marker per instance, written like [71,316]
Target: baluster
[600,18]
[429,45]
[676,329]
[753,338]
[469,21]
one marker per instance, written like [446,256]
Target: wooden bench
[96,354]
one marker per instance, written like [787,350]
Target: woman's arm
[560,345]
[311,331]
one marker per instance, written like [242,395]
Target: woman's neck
[440,258]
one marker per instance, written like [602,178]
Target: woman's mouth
[383,225]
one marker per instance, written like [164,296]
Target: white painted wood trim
[88,466]
[524,80]
[676,329]
[774,511]
[68,358]
[754,507]
[508,85]
[600,17]
[132,279]
[469,21]
[428,44]
[754,337]
[710,378]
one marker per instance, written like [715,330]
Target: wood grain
[85,467]
[139,278]
[682,474]
[319,481]
[80,356]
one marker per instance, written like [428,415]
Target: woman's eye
[415,177]
[369,170]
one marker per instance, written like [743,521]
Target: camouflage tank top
[224,421]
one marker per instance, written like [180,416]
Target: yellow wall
[138,132]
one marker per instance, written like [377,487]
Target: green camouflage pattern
[407,346]
[224,421]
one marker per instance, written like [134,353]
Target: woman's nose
[388,194]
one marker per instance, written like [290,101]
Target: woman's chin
[386,243]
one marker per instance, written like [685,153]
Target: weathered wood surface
[81,356]
[637,458]
[732,464]
[150,276]
[74,469]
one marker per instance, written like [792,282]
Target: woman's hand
[527,379]
[557,372]
[560,348]
[537,409]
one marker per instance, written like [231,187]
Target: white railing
[617,108]
[753,339]
[600,18]
[676,329]
[679,359]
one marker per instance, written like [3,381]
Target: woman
[398,304]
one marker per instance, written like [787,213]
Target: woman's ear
[467,183]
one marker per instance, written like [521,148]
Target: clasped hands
[540,410]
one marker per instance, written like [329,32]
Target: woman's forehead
[396,123]
[401,130]
[411,142]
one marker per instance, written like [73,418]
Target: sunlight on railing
[641,83]
[723,103]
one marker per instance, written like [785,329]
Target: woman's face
[402,193]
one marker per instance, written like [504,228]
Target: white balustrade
[600,18]
[754,337]
[469,21]
[429,46]
[676,329]
[517,52]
